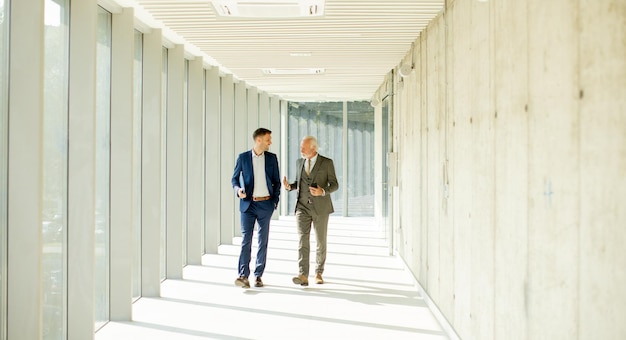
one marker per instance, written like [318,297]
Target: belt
[264,198]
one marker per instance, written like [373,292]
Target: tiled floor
[367,295]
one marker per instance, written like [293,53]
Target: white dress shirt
[260,183]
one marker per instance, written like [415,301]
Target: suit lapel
[268,175]
[250,167]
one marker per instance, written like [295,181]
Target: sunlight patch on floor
[367,295]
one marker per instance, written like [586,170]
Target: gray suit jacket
[323,173]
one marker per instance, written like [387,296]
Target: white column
[276,135]
[81,170]
[274,116]
[253,111]
[121,251]
[284,166]
[213,184]
[195,165]
[242,137]
[25,166]
[227,161]
[175,158]
[185,158]
[344,152]
[151,169]
[264,110]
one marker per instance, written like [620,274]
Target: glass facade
[325,121]
[4,96]
[54,173]
[360,179]
[103,161]
[137,156]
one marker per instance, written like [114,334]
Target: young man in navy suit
[256,181]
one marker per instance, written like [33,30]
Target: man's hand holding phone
[316,190]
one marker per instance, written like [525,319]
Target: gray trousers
[320,224]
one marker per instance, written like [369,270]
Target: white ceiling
[357,42]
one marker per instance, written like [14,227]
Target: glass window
[164,166]
[360,153]
[137,132]
[103,157]
[325,122]
[185,158]
[54,173]
[4,67]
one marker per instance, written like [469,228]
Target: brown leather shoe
[318,278]
[242,282]
[301,280]
[259,282]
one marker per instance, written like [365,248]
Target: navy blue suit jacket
[243,168]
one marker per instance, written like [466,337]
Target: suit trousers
[261,213]
[304,220]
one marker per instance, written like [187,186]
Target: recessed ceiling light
[293,71]
[269,9]
[300,54]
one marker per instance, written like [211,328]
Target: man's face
[306,149]
[264,142]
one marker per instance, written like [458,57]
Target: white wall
[518,112]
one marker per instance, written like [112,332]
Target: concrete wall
[514,120]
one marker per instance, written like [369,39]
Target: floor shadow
[303,316]
[179,330]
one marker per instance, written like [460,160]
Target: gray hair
[313,141]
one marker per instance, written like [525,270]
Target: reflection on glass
[54,173]
[103,156]
[325,122]
[163,164]
[360,159]
[137,131]
[3,162]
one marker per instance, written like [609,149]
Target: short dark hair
[260,132]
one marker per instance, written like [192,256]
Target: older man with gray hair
[315,181]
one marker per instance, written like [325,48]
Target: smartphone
[313,185]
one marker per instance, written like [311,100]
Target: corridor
[367,295]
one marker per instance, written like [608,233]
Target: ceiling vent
[269,9]
[293,71]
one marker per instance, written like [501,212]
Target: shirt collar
[314,158]
[255,155]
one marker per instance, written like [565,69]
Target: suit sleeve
[333,185]
[235,179]
[276,184]
[294,185]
